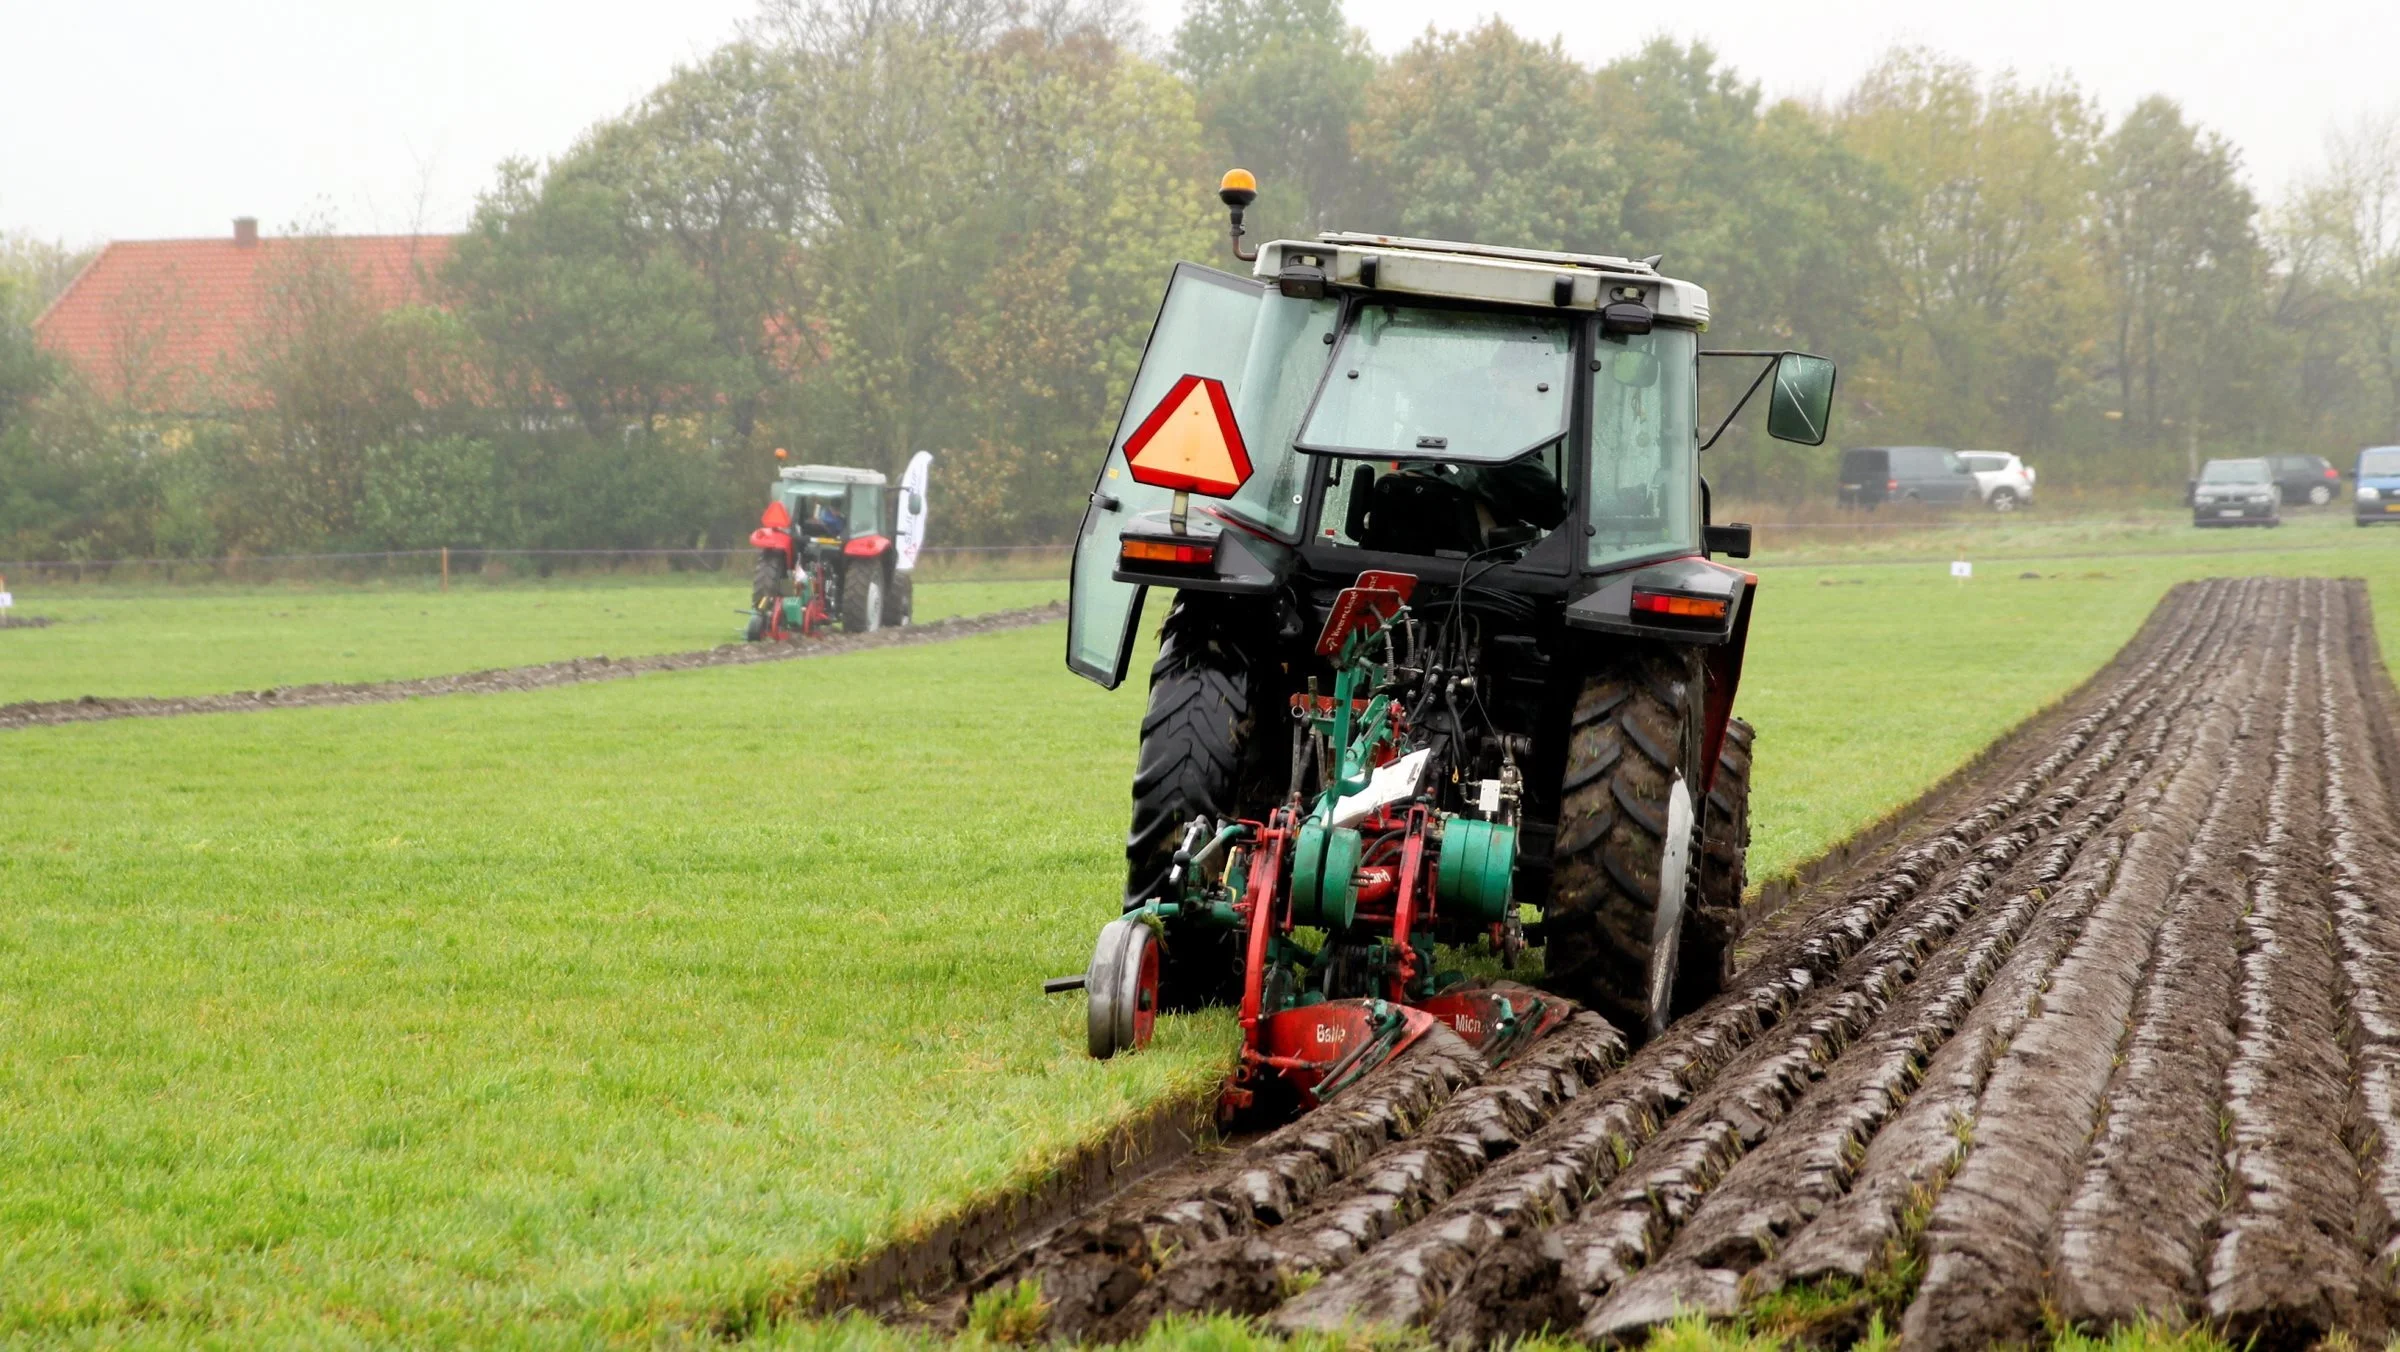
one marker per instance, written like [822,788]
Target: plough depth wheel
[1123,988]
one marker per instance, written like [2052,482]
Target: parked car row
[1874,475]
[2235,491]
[2252,491]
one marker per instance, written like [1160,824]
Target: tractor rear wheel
[900,601]
[862,597]
[770,577]
[1623,878]
[1203,753]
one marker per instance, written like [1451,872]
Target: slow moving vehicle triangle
[1189,442]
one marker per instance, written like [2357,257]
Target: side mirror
[1731,539]
[1800,405]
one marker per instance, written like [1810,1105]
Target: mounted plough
[1340,894]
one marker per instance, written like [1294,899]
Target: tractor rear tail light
[1672,609]
[1891,485]
[1174,553]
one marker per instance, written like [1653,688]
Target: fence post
[445,567]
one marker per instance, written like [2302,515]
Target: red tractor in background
[837,544]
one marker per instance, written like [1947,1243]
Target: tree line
[870,227]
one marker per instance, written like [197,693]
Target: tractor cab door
[1268,351]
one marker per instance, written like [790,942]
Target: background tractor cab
[1516,433]
[836,542]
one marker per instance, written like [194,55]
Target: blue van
[2378,485]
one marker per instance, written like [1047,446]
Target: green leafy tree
[1278,85]
[1989,303]
[2185,272]
[574,302]
[1487,135]
[2346,248]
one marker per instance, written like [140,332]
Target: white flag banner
[909,528]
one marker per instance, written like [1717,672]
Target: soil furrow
[2134,1238]
[1415,1274]
[1783,1184]
[499,680]
[2361,854]
[1907,1162]
[1780,1184]
[1988,1237]
[2285,1270]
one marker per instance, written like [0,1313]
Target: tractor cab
[1496,454]
[1364,401]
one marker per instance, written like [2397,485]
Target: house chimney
[245,231]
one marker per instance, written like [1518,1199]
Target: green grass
[605,1011]
[202,640]
[608,1013]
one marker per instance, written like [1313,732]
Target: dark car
[2305,478]
[2378,485]
[1877,474]
[2236,493]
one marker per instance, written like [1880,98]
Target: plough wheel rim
[1122,989]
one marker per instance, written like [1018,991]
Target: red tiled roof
[166,323]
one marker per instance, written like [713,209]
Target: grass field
[607,1013]
[203,640]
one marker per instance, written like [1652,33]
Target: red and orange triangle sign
[1189,442]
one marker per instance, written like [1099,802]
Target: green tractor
[1448,656]
[837,544]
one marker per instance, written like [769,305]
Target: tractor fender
[868,546]
[1723,664]
[766,538]
[1722,641]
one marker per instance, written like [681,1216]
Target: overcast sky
[162,118]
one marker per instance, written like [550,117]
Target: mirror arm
[1740,404]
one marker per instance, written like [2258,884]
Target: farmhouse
[165,326]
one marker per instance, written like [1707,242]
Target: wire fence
[934,563]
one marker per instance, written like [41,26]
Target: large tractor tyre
[1715,924]
[1207,748]
[771,577]
[900,600]
[1624,873]
[862,596]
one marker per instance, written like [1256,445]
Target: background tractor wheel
[1203,753]
[770,577]
[1715,924]
[900,601]
[1634,736]
[862,597]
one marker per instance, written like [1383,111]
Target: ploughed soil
[25,621]
[94,708]
[2108,1027]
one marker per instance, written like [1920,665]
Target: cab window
[1645,456]
[1443,508]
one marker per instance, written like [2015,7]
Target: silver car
[2236,493]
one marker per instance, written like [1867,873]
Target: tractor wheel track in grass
[573,671]
[2104,1030]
